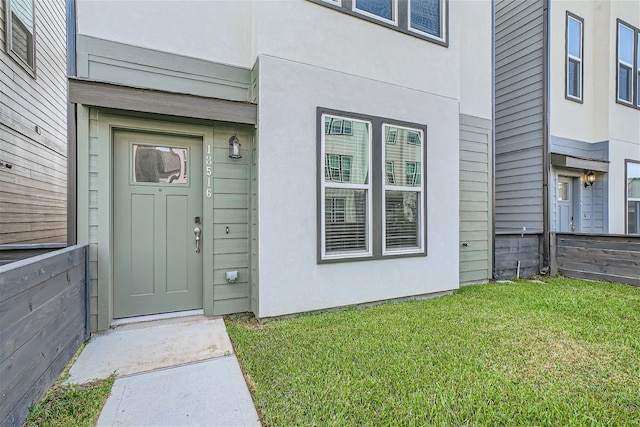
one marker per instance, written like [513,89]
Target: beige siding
[33,135]
[475,199]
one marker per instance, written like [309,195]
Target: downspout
[546,248]
[72,140]
[493,139]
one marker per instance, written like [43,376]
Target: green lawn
[71,405]
[566,352]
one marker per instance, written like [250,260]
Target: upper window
[628,64]
[633,197]
[20,35]
[574,57]
[425,19]
[372,194]
[380,9]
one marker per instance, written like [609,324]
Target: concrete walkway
[174,372]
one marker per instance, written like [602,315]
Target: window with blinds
[346,188]
[372,194]
[402,198]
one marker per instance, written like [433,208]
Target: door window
[159,164]
[563,191]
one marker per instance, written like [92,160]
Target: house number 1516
[208,164]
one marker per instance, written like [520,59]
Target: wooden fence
[517,253]
[43,322]
[613,258]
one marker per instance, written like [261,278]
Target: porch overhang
[572,162]
[109,95]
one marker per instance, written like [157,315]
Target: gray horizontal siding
[519,116]
[33,135]
[585,150]
[475,199]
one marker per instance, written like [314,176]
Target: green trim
[121,63]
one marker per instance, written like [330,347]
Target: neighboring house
[33,124]
[281,157]
[567,123]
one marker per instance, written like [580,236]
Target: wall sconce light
[234,148]
[589,179]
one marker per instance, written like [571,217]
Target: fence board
[43,311]
[21,275]
[14,310]
[612,258]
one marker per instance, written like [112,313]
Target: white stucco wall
[290,278]
[217,31]
[473,17]
[312,34]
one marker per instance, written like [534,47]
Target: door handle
[197,232]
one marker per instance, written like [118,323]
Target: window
[426,19]
[159,164]
[633,197]
[628,65]
[20,32]
[350,152]
[371,192]
[337,168]
[403,213]
[382,9]
[574,57]
[335,210]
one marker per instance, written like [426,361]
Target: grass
[71,405]
[564,352]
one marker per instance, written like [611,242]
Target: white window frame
[443,22]
[349,186]
[573,58]
[30,68]
[394,13]
[403,188]
[633,68]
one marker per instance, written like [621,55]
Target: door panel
[157,196]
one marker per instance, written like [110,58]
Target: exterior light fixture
[589,179]
[234,148]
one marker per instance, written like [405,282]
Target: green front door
[157,203]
